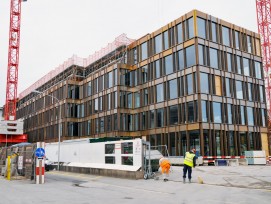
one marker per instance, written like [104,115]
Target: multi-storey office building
[196,82]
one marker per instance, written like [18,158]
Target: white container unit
[122,155]
[256,157]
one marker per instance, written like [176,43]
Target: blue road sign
[40,152]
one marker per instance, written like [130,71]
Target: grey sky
[54,30]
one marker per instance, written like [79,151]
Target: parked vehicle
[48,165]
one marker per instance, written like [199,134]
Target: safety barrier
[224,160]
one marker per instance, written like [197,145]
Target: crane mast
[264,28]
[13,60]
[11,131]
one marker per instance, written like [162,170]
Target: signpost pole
[40,167]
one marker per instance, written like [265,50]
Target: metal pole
[59,125]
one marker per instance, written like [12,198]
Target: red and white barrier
[40,166]
[211,159]
[224,157]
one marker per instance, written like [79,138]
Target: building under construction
[196,82]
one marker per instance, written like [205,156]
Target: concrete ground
[243,184]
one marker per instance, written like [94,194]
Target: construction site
[198,82]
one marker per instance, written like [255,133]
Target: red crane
[13,59]
[11,134]
[264,28]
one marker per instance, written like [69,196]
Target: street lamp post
[59,123]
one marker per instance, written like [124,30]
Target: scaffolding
[77,64]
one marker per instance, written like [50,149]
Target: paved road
[238,185]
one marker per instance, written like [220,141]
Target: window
[239,90]
[229,62]
[226,36]
[217,112]
[258,47]
[249,90]
[137,99]
[72,129]
[136,123]
[190,29]
[204,112]
[204,83]
[134,55]
[180,33]
[158,44]
[109,121]
[231,143]
[157,69]
[237,45]
[229,107]
[180,60]
[173,115]
[250,116]
[181,87]
[218,90]
[88,127]
[183,143]
[168,64]
[214,29]
[251,140]
[263,118]
[242,116]
[213,58]
[228,87]
[243,143]
[206,143]
[130,122]
[190,56]
[172,89]
[160,117]
[115,76]
[258,70]
[261,93]
[127,148]
[217,143]
[145,96]
[101,120]
[159,93]
[144,51]
[144,74]
[151,125]
[189,82]
[109,148]
[110,160]
[192,112]
[96,105]
[246,67]
[166,45]
[110,79]
[129,100]
[172,138]
[101,105]
[201,28]
[89,89]
[238,65]
[202,55]
[127,160]
[249,44]
[194,139]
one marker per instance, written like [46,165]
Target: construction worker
[165,166]
[189,162]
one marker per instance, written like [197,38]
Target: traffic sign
[40,152]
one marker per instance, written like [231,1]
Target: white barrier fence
[121,155]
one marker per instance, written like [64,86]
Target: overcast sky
[54,30]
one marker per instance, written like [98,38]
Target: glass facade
[201,80]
